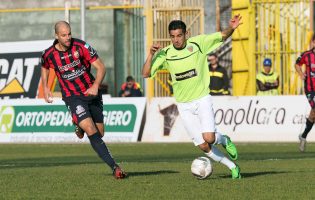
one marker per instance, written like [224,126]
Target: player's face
[64,36]
[178,38]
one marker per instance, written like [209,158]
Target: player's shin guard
[308,128]
[216,155]
[101,149]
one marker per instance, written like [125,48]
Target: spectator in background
[219,81]
[267,80]
[130,88]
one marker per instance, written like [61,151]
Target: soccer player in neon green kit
[186,60]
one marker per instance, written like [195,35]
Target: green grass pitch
[156,171]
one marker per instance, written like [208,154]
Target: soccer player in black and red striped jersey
[307,58]
[71,60]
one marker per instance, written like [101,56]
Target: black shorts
[310,97]
[82,107]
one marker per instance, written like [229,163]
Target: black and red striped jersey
[308,59]
[72,67]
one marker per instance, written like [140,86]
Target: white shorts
[198,118]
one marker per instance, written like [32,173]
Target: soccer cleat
[118,173]
[79,131]
[230,148]
[236,172]
[302,143]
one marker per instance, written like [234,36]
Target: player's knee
[89,129]
[204,147]
[209,137]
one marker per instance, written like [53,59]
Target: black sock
[100,148]
[308,128]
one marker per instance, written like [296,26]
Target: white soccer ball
[201,167]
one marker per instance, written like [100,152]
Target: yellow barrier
[275,29]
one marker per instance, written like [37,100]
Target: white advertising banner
[244,119]
[27,120]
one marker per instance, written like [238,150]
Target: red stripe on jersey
[308,58]
[312,71]
[87,77]
[68,84]
[81,85]
[46,63]
[69,66]
[64,90]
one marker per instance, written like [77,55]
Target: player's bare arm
[47,92]
[300,72]
[100,74]
[146,69]
[233,24]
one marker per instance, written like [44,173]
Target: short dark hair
[313,37]
[213,54]
[177,24]
[129,78]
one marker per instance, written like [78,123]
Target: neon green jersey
[188,67]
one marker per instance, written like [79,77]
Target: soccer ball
[201,167]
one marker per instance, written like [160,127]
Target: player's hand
[154,48]
[126,93]
[235,21]
[48,95]
[302,76]
[92,91]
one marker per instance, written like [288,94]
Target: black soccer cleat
[79,131]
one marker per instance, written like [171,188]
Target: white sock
[216,155]
[219,139]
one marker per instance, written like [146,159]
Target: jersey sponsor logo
[68,66]
[66,56]
[74,74]
[185,75]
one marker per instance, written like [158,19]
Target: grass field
[156,171]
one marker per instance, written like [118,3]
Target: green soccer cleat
[230,148]
[236,172]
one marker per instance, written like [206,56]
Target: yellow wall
[243,76]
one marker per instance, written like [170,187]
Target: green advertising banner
[56,118]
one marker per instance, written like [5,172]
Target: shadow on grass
[254,174]
[149,173]
[48,162]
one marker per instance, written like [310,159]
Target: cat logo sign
[20,68]
[20,74]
